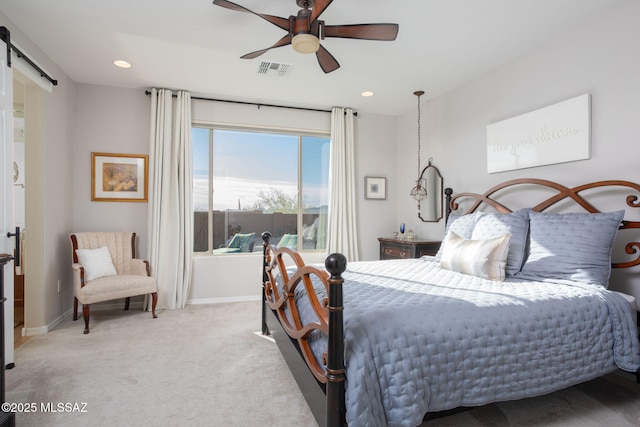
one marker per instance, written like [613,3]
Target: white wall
[109,120]
[598,57]
[376,156]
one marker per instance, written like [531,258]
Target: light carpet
[205,365]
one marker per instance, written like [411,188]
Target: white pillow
[96,262]
[481,258]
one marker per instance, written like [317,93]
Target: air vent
[274,69]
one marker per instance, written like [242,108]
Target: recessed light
[122,64]
[367,93]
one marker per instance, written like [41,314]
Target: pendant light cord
[418,192]
[418,93]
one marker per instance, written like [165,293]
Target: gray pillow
[491,225]
[571,246]
[462,225]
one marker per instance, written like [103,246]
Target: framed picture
[375,188]
[119,177]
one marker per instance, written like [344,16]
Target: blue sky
[247,162]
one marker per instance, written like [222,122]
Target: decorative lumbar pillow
[462,225]
[571,246]
[490,225]
[482,258]
[96,263]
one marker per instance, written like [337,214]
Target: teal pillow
[241,241]
[288,241]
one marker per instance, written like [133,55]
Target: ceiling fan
[305,30]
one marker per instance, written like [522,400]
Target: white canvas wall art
[558,133]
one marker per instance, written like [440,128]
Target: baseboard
[222,300]
[41,330]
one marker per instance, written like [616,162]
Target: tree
[275,200]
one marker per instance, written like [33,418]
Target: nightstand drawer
[396,252]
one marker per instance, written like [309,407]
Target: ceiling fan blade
[282,42]
[386,32]
[275,20]
[319,6]
[327,62]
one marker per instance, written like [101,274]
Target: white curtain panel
[343,233]
[170,232]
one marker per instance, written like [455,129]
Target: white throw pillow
[96,262]
[481,258]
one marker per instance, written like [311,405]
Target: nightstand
[395,248]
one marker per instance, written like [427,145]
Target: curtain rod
[5,35]
[147,92]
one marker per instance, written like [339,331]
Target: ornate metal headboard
[563,193]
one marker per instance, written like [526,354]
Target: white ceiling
[196,46]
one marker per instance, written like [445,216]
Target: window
[247,181]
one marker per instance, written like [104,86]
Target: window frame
[299,133]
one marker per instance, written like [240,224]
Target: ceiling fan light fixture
[121,63]
[305,43]
[305,29]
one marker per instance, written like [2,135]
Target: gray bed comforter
[419,339]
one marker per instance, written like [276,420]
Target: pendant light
[419,192]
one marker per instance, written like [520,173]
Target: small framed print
[119,177]
[375,188]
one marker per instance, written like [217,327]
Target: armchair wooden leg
[85,314]
[126,303]
[154,301]
[75,308]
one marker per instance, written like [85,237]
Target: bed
[514,305]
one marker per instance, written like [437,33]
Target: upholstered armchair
[105,268]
